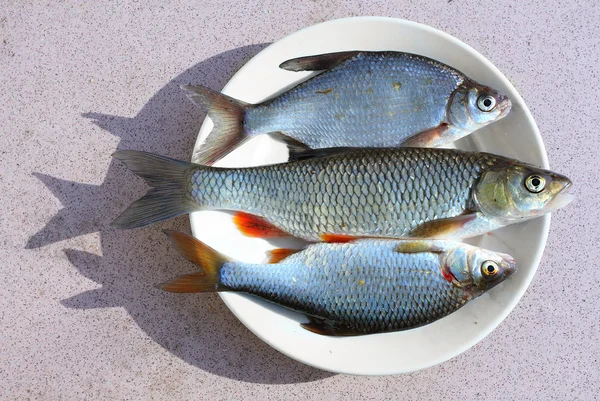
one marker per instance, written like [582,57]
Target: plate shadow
[197,328]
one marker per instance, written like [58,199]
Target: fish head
[476,269]
[473,106]
[514,191]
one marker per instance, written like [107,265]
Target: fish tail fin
[227,115]
[166,199]
[209,260]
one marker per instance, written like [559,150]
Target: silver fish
[392,192]
[364,287]
[363,99]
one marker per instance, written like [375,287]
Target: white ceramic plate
[515,136]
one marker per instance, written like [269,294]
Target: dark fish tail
[227,115]
[166,199]
[209,260]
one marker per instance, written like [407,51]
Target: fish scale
[388,193]
[403,177]
[368,288]
[393,94]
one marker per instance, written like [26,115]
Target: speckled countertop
[79,316]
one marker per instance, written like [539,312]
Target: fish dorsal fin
[278,254]
[256,227]
[300,154]
[328,328]
[419,247]
[318,62]
[443,228]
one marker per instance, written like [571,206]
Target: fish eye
[489,268]
[486,102]
[535,183]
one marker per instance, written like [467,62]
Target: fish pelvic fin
[209,261]
[256,227]
[278,254]
[167,198]
[227,115]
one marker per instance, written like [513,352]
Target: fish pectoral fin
[419,247]
[327,327]
[442,228]
[308,153]
[257,227]
[338,238]
[278,254]
[295,147]
[427,139]
[318,62]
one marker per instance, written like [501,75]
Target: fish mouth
[510,266]
[563,197]
[504,105]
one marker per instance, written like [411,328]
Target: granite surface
[80,318]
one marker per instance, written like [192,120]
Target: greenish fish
[392,192]
[363,287]
[360,99]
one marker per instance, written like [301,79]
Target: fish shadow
[197,328]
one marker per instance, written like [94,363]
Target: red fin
[256,227]
[338,238]
[278,254]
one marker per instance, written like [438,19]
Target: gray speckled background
[79,315]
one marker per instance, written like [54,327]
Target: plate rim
[227,297]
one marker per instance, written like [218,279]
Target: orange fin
[209,260]
[427,138]
[442,228]
[256,227]
[278,254]
[195,282]
[338,238]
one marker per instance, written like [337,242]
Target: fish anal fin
[295,147]
[419,247]
[256,227]
[318,62]
[326,327]
[339,238]
[443,228]
[427,139]
[278,254]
